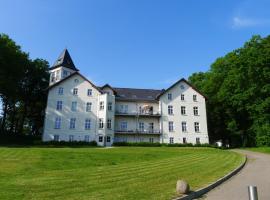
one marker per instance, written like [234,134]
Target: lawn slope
[115,173]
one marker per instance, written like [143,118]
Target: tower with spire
[62,67]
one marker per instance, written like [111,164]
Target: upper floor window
[196,127]
[57,76]
[141,126]
[72,123]
[109,124]
[170,110]
[169,96]
[76,80]
[101,123]
[124,108]
[194,97]
[74,106]
[88,106]
[101,105]
[182,97]
[183,110]
[60,91]
[75,91]
[57,123]
[87,124]
[110,106]
[59,105]
[123,126]
[184,127]
[195,110]
[89,92]
[171,126]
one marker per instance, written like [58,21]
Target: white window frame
[59,105]
[74,106]
[88,107]
[109,124]
[184,126]
[87,124]
[195,97]
[110,106]
[170,110]
[60,91]
[75,91]
[182,97]
[89,92]
[100,123]
[171,140]
[108,139]
[196,127]
[169,96]
[123,126]
[141,126]
[183,110]
[196,110]
[100,138]
[101,105]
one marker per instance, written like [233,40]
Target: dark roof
[107,85]
[181,80]
[136,94]
[64,60]
[71,75]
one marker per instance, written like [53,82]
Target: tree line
[237,86]
[22,89]
[238,90]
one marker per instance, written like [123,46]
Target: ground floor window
[184,140]
[108,139]
[100,139]
[86,138]
[171,140]
[71,138]
[198,140]
[56,138]
[151,140]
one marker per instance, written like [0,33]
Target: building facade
[78,110]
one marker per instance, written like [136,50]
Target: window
[151,140]
[108,139]
[71,138]
[109,124]
[75,91]
[88,106]
[76,80]
[183,110]
[184,140]
[89,92]
[194,97]
[100,138]
[57,77]
[184,126]
[56,138]
[74,106]
[170,126]
[141,126]
[110,106]
[57,123]
[65,73]
[151,127]
[171,140]
[170,110]
[123,126]
[197,127]
[124,108]
[72,123]
[195,111]
[87,124]
[182,97]
[101,123]
[101,105]
[60,91]
[87,138]
[59,105]
[198,140]
[169,96]
[52,76]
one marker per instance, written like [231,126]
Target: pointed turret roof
[64,60]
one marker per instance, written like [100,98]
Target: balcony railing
[134,113]
[137,131]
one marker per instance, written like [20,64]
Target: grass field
[260,149]
[115,173]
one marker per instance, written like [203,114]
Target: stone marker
[182,187]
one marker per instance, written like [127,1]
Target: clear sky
[134,43]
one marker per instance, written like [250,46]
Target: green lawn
[115,173]
[260,149]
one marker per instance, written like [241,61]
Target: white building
[77,110]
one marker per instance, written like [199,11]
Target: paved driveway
[256,172]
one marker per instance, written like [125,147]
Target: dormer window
[57,77]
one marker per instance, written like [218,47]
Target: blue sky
[134,43]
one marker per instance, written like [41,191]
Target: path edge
[202,191]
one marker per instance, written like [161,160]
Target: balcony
[134,113]
[142,132]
